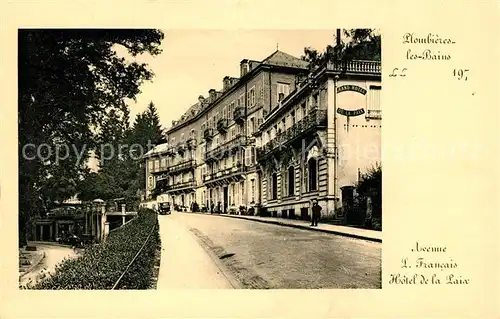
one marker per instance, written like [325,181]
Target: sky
[195,61]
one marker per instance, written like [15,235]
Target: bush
[101,265]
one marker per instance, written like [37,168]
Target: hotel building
[277,137]
[318,141]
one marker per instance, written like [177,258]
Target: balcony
[171,151]
[229,147]
[181,148]
[159,170]
[225,176]
[316,119]
[183,166]
[374,114]
[239,115]
[208,134]
[182,187]
[222,126]
[357,67]
[191,143]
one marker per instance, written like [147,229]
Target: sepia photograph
[157,159]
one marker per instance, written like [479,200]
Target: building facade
[318,141]
[277,137]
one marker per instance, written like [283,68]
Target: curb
[379,240]
[50,243]
[33,266]
[219,264]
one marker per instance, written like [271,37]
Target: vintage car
[164,208]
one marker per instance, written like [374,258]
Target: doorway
[225,199]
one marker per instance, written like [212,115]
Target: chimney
[226,83]
[244,67]
[174,122]
[201,99]
[212,95]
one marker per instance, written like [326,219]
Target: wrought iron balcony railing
[181,148]
[315,119]
[229,147]
[177,186]
[239,115]
[222,126]
[224,173]
[208,134]
[183,166]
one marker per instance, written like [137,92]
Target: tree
[68,81]
[361,44]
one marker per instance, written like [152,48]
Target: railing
[186,165]
[373,67]
[161,169]
[181,185]
[224,149]
[374,114]
[208,134]
[238,115]
[315,118]
[181,148]
[222,125]
[237,169]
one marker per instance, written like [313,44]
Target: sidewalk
[184,263]
[359,233]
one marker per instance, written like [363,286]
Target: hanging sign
[350,112]
[350,87]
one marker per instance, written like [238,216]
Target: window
[157,164]
[247,157]
[292,115]
[251,126]
[182,138]
[291,181]
[253,155]
[163,162]
[315,100]
[283,123]
[374,94]
[231,108]
[251,97]
[304,110]
[151,165]
[283,91]
[252,192]
[313,172]
[274,186]
[224,112]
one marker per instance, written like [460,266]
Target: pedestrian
[316,213]
[212,207]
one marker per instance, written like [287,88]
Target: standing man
[316,213]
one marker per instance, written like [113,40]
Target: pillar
[104,219]
[123,219]
[50,232]
[86,222]
[41,232]
[106,230]
[57,229]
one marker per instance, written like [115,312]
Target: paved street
[264,256]
[184,263]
